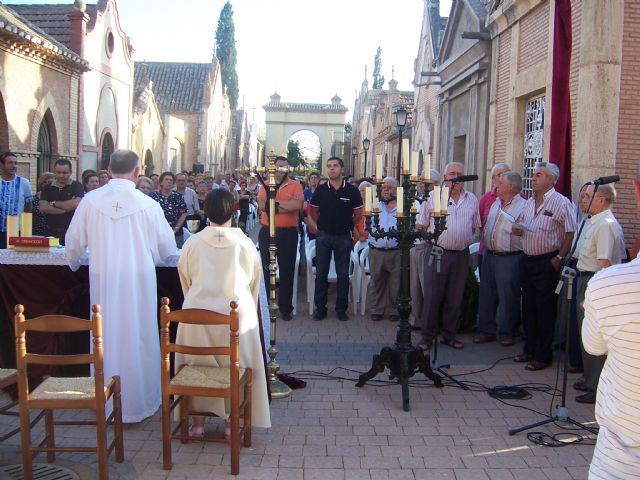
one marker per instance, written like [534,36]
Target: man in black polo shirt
[60,200]
[336,207]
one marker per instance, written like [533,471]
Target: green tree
[294,154]
[378,80]
[348,128]
[227,54]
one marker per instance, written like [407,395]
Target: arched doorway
[106,149]
[46,143]
[304,146]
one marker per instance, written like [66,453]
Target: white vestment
[126,234]
[219,265]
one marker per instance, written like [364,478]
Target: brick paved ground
[333,430]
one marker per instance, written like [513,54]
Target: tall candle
[378,167]
[405,156]
[436,199]
[367,200]
[427,167]
[445,199]
[12,227]
[399,201]
[374,199]
[26,224]
[414,164]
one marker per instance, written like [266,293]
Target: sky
[306,50]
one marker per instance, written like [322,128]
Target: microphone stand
[567,276]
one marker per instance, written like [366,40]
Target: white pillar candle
[12,227]
[405,156]
[445,199]
[436,199]
[414,164]
[26,224]
[374,199]
[378,167]
[426,173]
[367,200]
[399,201]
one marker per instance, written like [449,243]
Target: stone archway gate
[283,119]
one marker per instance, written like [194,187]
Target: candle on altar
[26,224]
[405,156]
[426,173]
[414,164]
[378,167]
[436,199]
[374,199]
[445,199]
[399,201]
[367,200]
[12,228]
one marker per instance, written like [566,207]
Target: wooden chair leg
[117,421]
[166,432]
[25,442]
[50,435]
[247,414]
[101,442]
[235,442]
[184,406]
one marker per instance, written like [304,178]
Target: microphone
[464,178]
[605,180]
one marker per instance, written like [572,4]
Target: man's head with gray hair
[551,168]
[514,179]
[545,176]
[497,170]
[123,162]
[608,192]
[392,181]
[449,165]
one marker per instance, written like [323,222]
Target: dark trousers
[3,239]
[287,244]
[500,294]
[340,247]
[593,364]
[575,344]
[446,288]
[539,307]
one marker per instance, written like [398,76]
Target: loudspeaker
[198,168]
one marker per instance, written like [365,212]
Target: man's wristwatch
[53,204]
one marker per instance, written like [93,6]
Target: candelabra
[267,177]
[403,359]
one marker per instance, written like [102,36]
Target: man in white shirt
[601,247]
[190,196]
[611,327]
[384,258]
[126,234]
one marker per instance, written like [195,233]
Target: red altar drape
[560,134]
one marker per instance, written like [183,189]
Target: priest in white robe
[218,265]
[126,235]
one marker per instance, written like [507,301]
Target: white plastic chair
[365,272]
[473,251]
[332,277]
[357,251]
[185,233]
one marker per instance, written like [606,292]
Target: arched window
[44,146]
[107,150]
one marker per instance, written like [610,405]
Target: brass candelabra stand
[403,359]
[267,177]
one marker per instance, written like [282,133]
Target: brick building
[605,112]
[39,88]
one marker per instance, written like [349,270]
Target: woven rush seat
[6,374]
[61,388]
[204,376]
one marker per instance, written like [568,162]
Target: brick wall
[534,32]
[502,97]
[628,148]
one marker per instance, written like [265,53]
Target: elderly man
[610,327]
[603,246]
[15,193]
[448,285]
[126,235]
[500,285]
[549,223]
[384,258]
[489,198]
[189,195]
[289,198]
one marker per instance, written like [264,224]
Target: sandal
[424,344]
[196,432]
[535,365]
[523,357]
[452,342]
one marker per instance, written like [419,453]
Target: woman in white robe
[218,265]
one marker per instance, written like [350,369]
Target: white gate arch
[327,121]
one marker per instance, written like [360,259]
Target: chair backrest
[198,316]
[57,324]
[364,260]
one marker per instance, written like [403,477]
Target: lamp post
[401,121]
[403,359]
[267,177]
[354,155]
[366,143]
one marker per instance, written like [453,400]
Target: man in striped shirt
[448,284]
[612,327]
[549,225]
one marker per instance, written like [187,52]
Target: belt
[503,254]
[585,273]
[543,256]
[383,249]
[456,251]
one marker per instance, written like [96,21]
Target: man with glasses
[448,285]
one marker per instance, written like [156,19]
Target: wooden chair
[9,377]
[67,393]
[203,381]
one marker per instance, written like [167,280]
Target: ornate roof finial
[365,71]
[393,72]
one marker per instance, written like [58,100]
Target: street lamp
[401,121]
[366,143]
[354,153]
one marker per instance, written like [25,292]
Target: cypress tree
[227,54]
